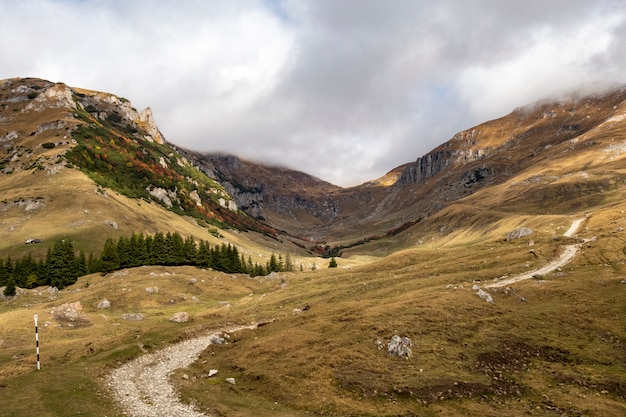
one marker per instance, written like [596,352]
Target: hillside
[447,256]
[86,165]
[564,153]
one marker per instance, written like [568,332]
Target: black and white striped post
[37,343]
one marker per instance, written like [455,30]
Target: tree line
[63,265]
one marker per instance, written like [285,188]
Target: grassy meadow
[545,347]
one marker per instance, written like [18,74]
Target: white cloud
[549,63]
[344,90]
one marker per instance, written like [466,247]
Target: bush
[47,145]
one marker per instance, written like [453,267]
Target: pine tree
[190,251]
[9,289]
[110,259]
[272,265]
[288,263]
[61,264]
[332,263]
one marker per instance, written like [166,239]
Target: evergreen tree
[174,253]
[203,256]
[332,263]
[110,259]
[9,289]
[288,263]
[272,265]
[80,264]
[93,264]
[3,274]
[138,250]
[190,251]
[124,252]
[61,264]
[158,255]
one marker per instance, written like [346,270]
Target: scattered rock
[104,304]
[70,312]
[212,372]
[623,281]
[230,380]
[132,316]
[400,346]
[518,233]
[180,317]
[193,281]
[485,296]
[300,310]
[111,223]
[152,290]
[217,340]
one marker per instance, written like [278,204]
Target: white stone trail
[142,385]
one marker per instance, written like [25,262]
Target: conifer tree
[9,289]
[189,251]
[110,259]
[332,263]
[61,265]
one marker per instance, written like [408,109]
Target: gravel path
[562,260]
[142,386]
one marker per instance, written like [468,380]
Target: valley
[528,209]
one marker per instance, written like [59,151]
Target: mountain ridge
[103,131]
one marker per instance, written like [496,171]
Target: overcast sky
[344,90]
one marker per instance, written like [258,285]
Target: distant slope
[561,154]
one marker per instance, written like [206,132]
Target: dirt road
[142,386]
[563,259]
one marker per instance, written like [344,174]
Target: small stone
[230,381]
[212,372]
[185,376]
[152,290]
[104,304]
[132,316]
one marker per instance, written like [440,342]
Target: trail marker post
[37,342]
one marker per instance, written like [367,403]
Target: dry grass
[561,350]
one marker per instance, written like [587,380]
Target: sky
[345,90]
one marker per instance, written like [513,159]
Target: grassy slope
[559,352]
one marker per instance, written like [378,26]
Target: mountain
[485,278]
[563,154]
[86,165]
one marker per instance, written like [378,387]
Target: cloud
[344,90]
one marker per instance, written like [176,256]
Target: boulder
[518,233]
[180,317]
[152,290]
[70,312]
[400,346]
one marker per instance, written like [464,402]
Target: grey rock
[518,233]
[400,346]
[104,304]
